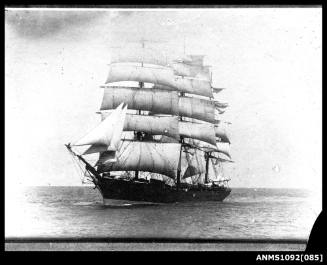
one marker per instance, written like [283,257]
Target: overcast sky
[268,59]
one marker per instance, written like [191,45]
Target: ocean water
[78,212]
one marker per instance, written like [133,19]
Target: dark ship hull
[158,192]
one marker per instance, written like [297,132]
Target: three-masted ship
[160,138]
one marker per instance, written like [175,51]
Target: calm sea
[78,212]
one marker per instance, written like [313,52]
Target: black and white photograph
[162,128]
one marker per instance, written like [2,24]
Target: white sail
[154,125]
[163,87]
[158,75]
[116,136]
[192,59]
[193,86]
[196,59]
[196,163]
[102,134]
[221,134]
[145,156]
[224,148]
[220,147]
[201,131]
[96,148]
[157,101]
[138,55]
[201,72]
[124,72]
[197,108]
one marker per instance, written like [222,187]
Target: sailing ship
[160,139]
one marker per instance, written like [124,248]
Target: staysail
[145,156]
[107,134]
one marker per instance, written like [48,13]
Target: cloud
[44,23]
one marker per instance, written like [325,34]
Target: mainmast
[137,133]
[206,155]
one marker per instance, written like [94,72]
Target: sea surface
[78,212]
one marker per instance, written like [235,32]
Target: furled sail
[220,111]
[221,133]
[201,131]
[217,90]
[124,72]
[138,55]
[154,125]
[145,156]
[107,133]
[197,108]
[157,101]
[220,104]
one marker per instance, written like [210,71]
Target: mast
[141,85]
[206,156]
[178,183]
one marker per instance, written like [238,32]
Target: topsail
[159,101]
[158,75]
